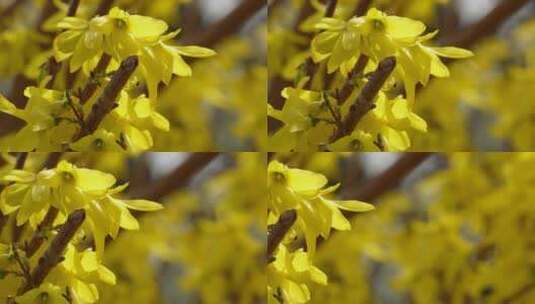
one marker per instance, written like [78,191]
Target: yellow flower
[304,191]
[121,35]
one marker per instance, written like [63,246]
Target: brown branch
[230,24]
[177,179]
[107,101]
[366,101]
[103,7]
[39,236]
[21,160]
[387,180]
[362,7]
[349,85]
[23,264]
[73,7]
[52,160]
[54,254]
[331,7]
[277,231]
[92,84]
[3,221]
[53,67]
[487,26]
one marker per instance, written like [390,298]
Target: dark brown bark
[40,236]
[366,100]
[92,84]
[103,7]
[107,101]
[277,231]
[54,254]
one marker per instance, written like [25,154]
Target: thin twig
[107,101]
[366,100]
[23,264]
[277,231]
[331,7]
[3,221]
[349,85]
[73,7]
[93,82]
[54,254]
[40,233]
[177,179]
[77,114]
[362,7]
[334,113]
[21,160]
[52,160]
[103,7]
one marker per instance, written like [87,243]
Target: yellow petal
[195,51]
[146,27]
[305,181]
[92,180]
[355,206]
[400,27]
[142,205]
[452,52]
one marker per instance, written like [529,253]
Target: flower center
[378,25]
[278,177]
[43,298]
[67,177]
[98,144]
[120,23]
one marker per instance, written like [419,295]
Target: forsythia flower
[126,127]
[69,188]
[378,36]
[51,123]
[46,293]
[290,273]
[121,35]
[384,129]
[304,191]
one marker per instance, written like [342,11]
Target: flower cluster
[41,202]
[290,272]
[346,56]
